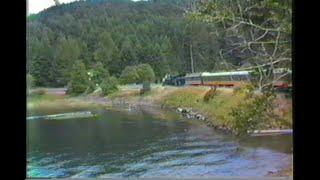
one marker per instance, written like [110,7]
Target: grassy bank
[217,110]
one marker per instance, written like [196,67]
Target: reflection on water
[140,144]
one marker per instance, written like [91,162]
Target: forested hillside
[120,33]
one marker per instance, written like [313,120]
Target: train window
[241,77]
[217,78]
[235,78]
[226,78]
[245,77]
[223,78]
[213,78]
[193,78]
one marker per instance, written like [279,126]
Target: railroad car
[220,79]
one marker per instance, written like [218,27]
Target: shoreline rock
[190,114]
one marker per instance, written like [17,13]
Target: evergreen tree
[105,49]
[79,79]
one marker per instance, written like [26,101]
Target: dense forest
[168,35]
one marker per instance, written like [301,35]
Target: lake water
[140,143]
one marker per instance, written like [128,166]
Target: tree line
[172,36]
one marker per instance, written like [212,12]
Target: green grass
[217,108]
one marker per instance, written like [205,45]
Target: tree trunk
[146,86]
[191,58]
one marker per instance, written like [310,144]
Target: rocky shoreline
[193,114]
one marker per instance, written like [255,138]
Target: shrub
[252,112]
[137,74]
[145,73]
[142,73]
[129,75]
[98,74]
[109,85]
[246,89]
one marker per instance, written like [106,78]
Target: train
[226,79]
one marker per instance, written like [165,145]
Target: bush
[246,89]
[98,74]
[137,74]
[129,75]
[145,73]
[109,85]
[252,112]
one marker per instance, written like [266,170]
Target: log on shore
[72,115]
[271,132]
